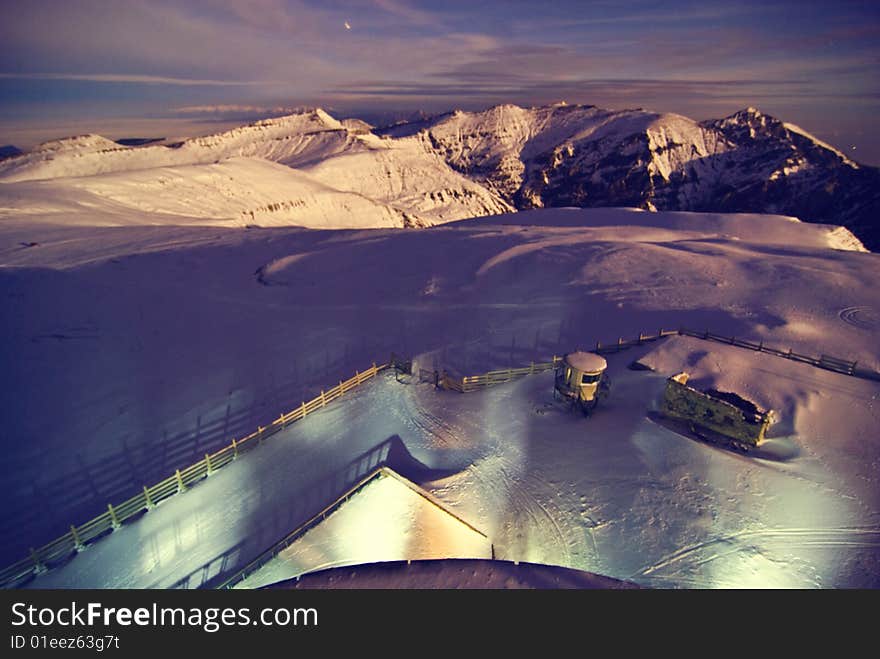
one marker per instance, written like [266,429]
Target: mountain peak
[503,107]
[315,114]
[750,115]
[88,141]
[323,115]
[749,123]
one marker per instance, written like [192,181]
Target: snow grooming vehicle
[581,380]
[714,416]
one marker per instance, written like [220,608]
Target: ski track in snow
[827,537]
[863,317]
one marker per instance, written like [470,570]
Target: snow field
[134,350]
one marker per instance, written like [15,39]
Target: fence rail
[474,382]
[75,540]
[827,362]
[470,383]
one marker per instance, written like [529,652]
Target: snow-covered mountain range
[311,169]
[574,155]
[304,169]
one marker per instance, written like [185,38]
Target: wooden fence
[826,362]
[61,549]
[470,383]
[474,382]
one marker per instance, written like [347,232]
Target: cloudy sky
[142,64]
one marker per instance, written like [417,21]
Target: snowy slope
[520,152]
[289,140]
[250,175]
[235,192]
[407,174]
[152,345]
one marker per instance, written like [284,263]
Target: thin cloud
[407,12]
[229,108]
[520,87]
[234,112]
[133,78]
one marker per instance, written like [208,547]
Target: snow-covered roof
[388,518]
[586,361]
[453,573]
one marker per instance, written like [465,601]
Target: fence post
[114,520]
[761,346]
[208,463]
[77,542]
[323,399]
[640,338]
[374,368]
[148,498]
[259,434]
[598,346]
[180,486]
[303,407]
[619,343]
[531,367]
[341,392]
[39,568]
[234,448]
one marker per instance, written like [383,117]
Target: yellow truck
[715,416]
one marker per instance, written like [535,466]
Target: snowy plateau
[160,300]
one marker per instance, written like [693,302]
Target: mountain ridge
[460,164]
[746,162]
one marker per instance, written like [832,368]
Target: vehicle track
[806,537]
[863,317]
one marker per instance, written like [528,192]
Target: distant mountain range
[573,155]
[463,164]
